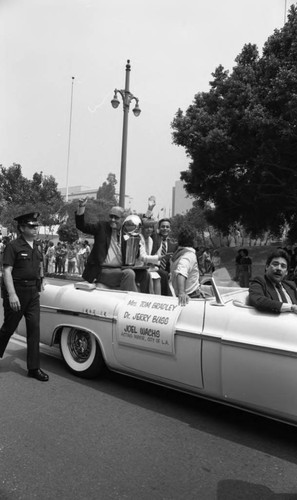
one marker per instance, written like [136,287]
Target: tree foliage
[241,138]
[194,218]
[106,193]
[68,233]
[21,195]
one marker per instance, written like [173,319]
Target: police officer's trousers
[30,309]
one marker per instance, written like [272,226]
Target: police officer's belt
[26,282]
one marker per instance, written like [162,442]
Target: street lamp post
[69,140]
[127,98]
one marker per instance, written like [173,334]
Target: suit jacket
[263,296]
[102,236]
[171,247]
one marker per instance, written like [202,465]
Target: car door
[259,360]
[154,337]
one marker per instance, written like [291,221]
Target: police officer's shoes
[38,374]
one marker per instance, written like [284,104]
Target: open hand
[82,202]
[151,202]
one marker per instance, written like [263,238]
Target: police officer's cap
[30,219]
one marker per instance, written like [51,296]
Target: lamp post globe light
[127,98]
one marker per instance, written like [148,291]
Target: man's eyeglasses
[111,216]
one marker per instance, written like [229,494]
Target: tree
[96,209]
[241,138]
[68,233]
[20,195]
[106,193]
[194,218]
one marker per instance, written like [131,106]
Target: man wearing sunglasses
[104,264]
[22,277]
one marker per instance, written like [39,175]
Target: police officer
[22,276]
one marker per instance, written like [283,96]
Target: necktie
[163,252]
[281,292]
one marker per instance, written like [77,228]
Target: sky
[174,46]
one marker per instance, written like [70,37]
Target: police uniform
[25,261]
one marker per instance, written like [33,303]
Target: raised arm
[81,224]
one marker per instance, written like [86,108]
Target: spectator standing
[51,257]
[237,264]
[58,257]
[71,255]
[2,246]
[245,269]
[206,260]
[215,260]
[81,258]
[62,260]
[45,259]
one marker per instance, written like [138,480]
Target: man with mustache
[273,293]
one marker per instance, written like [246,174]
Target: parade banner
[148,324]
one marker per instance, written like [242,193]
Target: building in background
[76,192]
[181,202]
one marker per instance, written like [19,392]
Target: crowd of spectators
[59,258]
[64,258]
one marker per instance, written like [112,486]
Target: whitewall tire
[81,352]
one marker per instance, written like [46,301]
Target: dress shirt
[114,254]
[286,295]
[187,266]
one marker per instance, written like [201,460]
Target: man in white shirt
[184,268]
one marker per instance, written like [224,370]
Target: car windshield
[219,285]
[222,278]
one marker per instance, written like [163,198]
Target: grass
[258,254]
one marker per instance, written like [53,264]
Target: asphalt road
[118,438]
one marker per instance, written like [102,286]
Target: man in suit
[273,293]
[164,247]
[104,264]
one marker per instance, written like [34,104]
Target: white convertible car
[217,347]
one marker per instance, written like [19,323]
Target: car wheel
[81,352]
